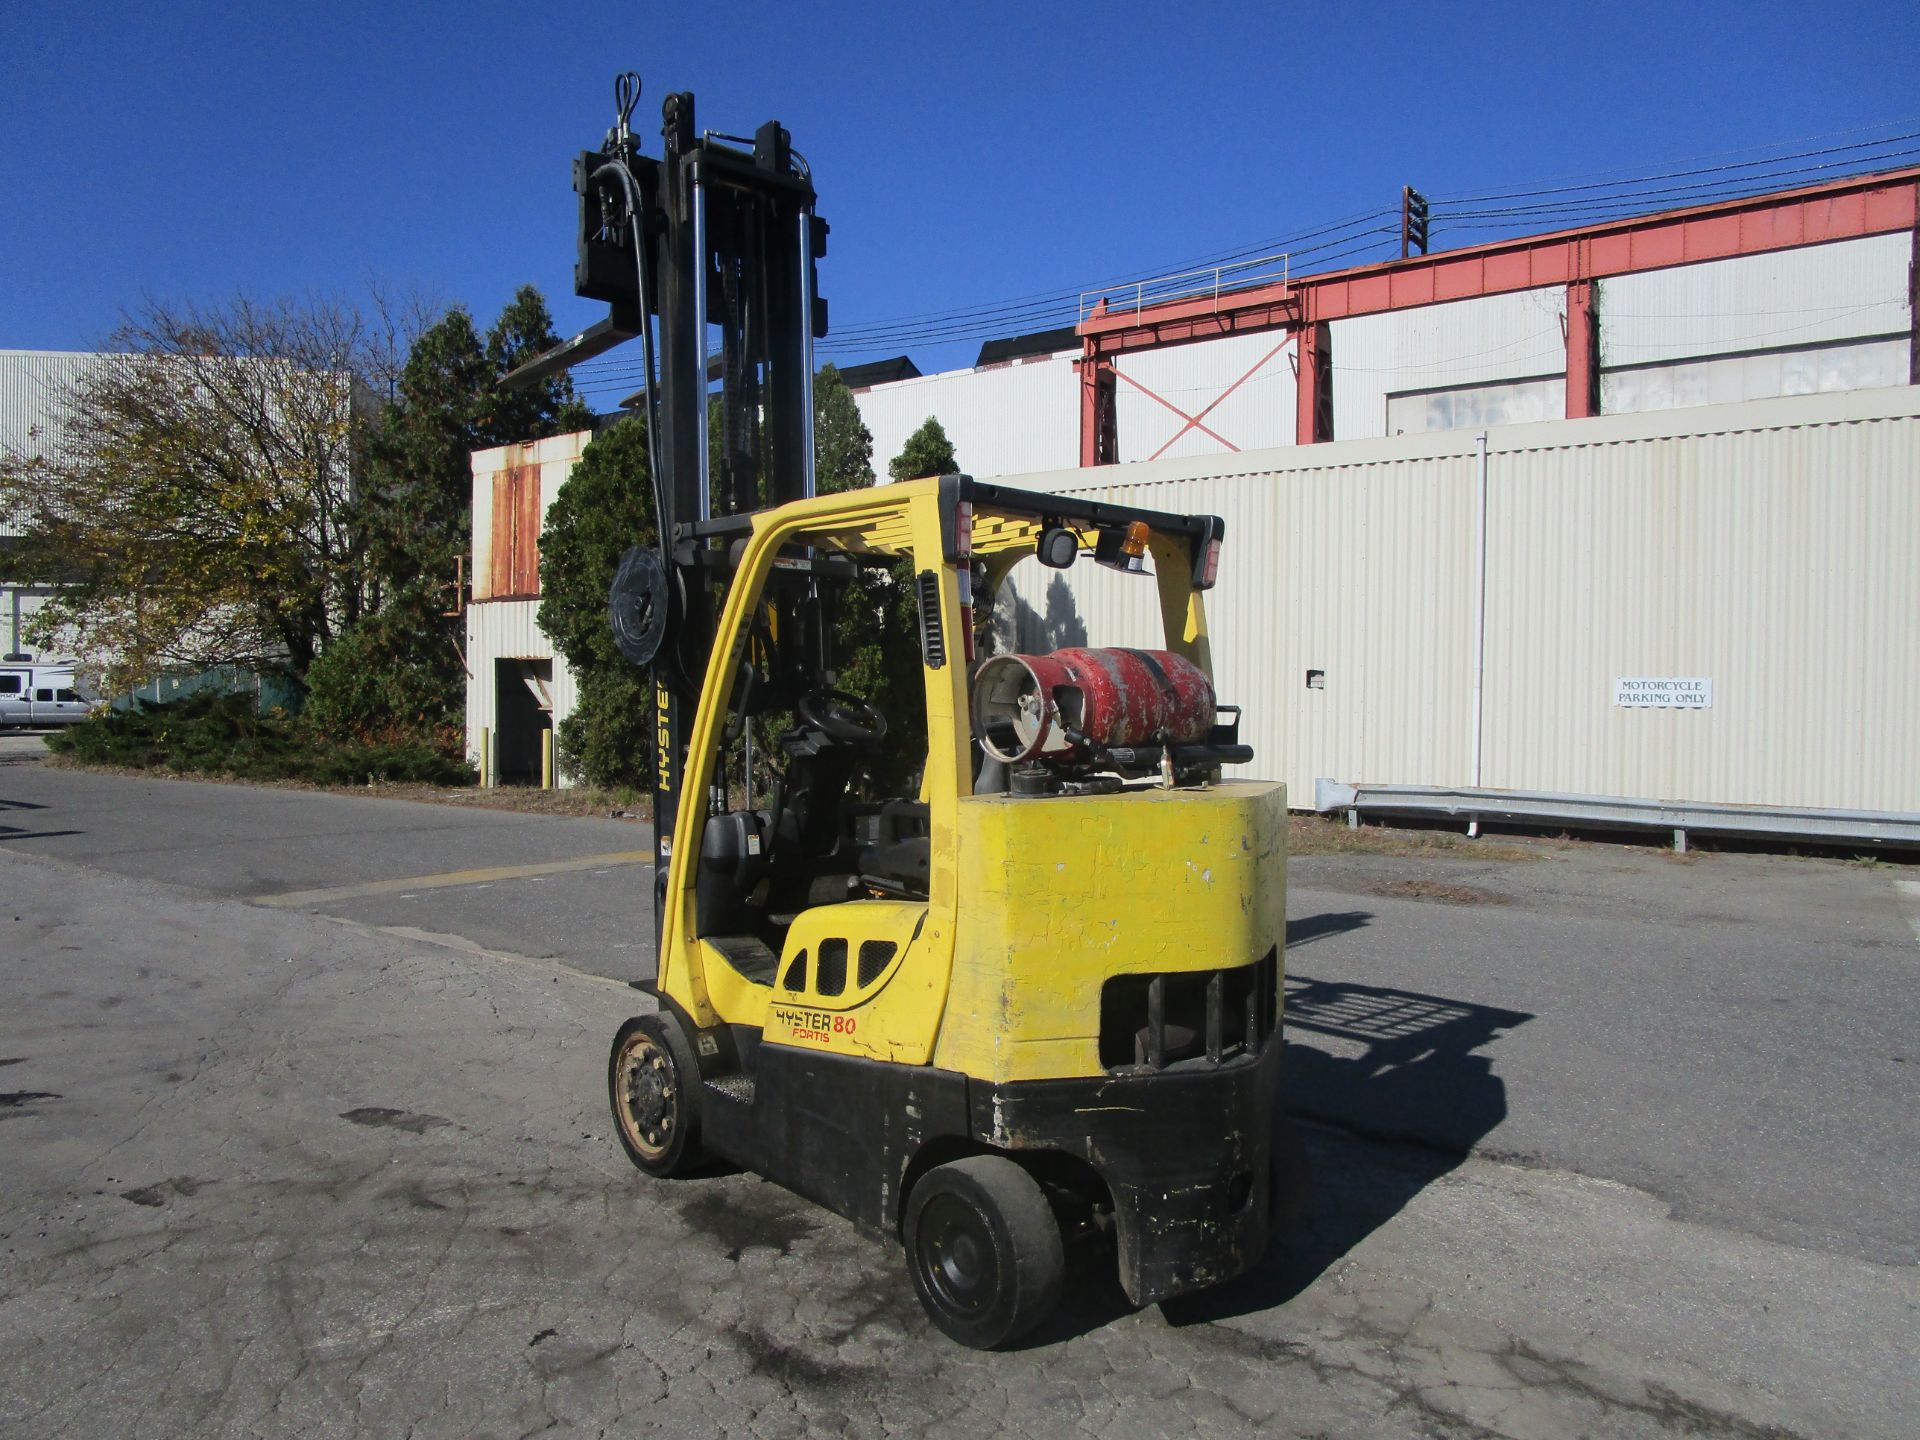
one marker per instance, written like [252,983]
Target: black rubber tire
[653,1085]
[984,1250]
[1291,1177]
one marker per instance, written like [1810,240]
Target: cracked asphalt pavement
[344,1168]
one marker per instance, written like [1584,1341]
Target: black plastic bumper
[1184,1152]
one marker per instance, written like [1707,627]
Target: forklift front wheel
[651,1080]
[984,1250]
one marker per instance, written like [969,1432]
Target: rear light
[1209,566]
[963,531]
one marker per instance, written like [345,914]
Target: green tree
[605,506]
[398,672]
[842,444]
[877,634]
[927,452]
[195,507]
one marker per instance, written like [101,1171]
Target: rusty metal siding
[512,487]
[1772,546]
[506,512]
[514,554]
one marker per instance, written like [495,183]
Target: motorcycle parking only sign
[1656,692]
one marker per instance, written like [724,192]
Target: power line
[1588,201]
[1679,174]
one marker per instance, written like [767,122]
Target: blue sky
[965,153]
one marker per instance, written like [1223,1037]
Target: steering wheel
[845,718]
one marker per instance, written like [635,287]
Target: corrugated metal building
[518,689]
[1799,292]
[1702,465]
[1770,549]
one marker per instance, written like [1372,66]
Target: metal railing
[1214,281]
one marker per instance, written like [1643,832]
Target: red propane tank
[1057,706]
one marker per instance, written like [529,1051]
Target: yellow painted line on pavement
[460,943]
[294,899]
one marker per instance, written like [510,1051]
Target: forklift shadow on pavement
[1398,1077]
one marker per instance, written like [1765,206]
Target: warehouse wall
[513,485]
[1810,320]
[1495,339]
[506,630]
[1241,389]
[1821,318]
[1771,547]
[1008,418]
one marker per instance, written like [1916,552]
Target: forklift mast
[707,254]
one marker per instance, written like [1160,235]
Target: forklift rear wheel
[651,1080]
[984,1250]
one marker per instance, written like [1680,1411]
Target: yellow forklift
[1031,1004]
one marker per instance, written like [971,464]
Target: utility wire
[1581,201]
[1679,174]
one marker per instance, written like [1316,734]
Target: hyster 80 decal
[819,1025]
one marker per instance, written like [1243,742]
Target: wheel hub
[957,1257]
[649,1097]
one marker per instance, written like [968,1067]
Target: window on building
[1512,402]
[1758,375]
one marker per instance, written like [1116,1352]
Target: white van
[41,694]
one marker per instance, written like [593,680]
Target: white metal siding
[1773,547]
[1841,291]
[1462,342]
[1001,420]
[1257,415]
[30,383]
[1779,562]
[507,630]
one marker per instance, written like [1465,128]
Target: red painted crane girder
[1838,210]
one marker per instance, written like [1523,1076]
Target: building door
[523,717]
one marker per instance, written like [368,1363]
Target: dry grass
[1321,835]
[579,803]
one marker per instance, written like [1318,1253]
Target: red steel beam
[1837,210]
[1583,352]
